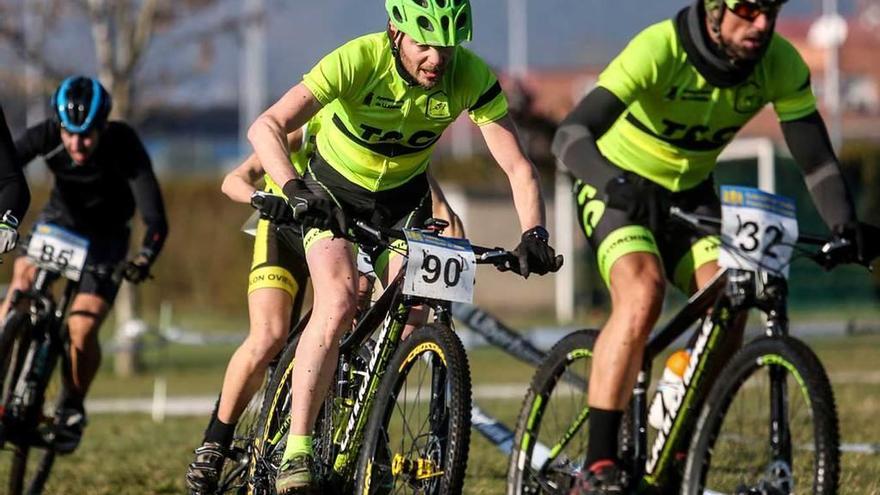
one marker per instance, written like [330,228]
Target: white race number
[758,230]
[59,250]
[439,267]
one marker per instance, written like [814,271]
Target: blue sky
[560,33]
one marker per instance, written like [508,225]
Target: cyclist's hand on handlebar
[137,270]
[853,234]
[534,254]
[312,210]
[272,207]
[8,238]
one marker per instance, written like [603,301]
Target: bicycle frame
[47,342]
[729,294]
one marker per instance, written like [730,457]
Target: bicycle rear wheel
[273,426]
[769,425]
[234,476]
[418,434]
[552,429]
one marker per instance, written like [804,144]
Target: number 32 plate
[761,227]
[439,267]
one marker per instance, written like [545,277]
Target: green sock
[296,445]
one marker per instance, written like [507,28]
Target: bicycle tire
[570,358]
[811,406]
[442,455]
[265,457]
[234,475]
[41,475]
[18,469]
[11,351]
[15,324]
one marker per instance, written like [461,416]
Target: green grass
[124,454]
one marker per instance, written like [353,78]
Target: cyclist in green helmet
[384,101]
[647,137]
[276,289]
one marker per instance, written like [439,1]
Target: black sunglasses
[750,10]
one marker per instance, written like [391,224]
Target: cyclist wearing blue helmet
[101,174]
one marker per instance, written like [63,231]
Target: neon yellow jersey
[677,123]
[300,158]
[378,131]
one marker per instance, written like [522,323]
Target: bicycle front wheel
[769,425]
[419,430]
[552,429]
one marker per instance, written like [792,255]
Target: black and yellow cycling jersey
[377,130]
[662,112]
[677,123]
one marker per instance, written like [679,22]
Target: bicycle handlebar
[832,251]
[383,237]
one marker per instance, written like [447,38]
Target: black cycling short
[612,233]
[408,205]
[104,249]
[276,265]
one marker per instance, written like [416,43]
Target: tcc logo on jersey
[438,106]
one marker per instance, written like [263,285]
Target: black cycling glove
[534,255]
[312,210]
[273,208]
[854,233]
[8,232]
[138,269]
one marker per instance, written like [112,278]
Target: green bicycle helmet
[432,22]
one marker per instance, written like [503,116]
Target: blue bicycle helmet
[81,104]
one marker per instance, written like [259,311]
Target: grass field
[130,454]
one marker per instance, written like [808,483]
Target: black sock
[73,400]
[219,432]
[604,426]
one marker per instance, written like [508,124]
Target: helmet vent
[444,22]
[421,3]
[440,3]
[396,13]
[461,22]
[424,23]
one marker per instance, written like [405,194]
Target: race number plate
[758,230]
[59,250]
[439,267]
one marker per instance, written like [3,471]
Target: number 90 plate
[439,267]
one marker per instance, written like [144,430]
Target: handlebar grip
[258,200]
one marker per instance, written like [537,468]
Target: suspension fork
[438,416]
[772,296]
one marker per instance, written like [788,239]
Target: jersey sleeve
[14,193]
[486,100]
[638,66]
[341,72]
[37,140]
[793,93]
[146,192]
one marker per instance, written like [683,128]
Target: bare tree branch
[101,32]
[143,30]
